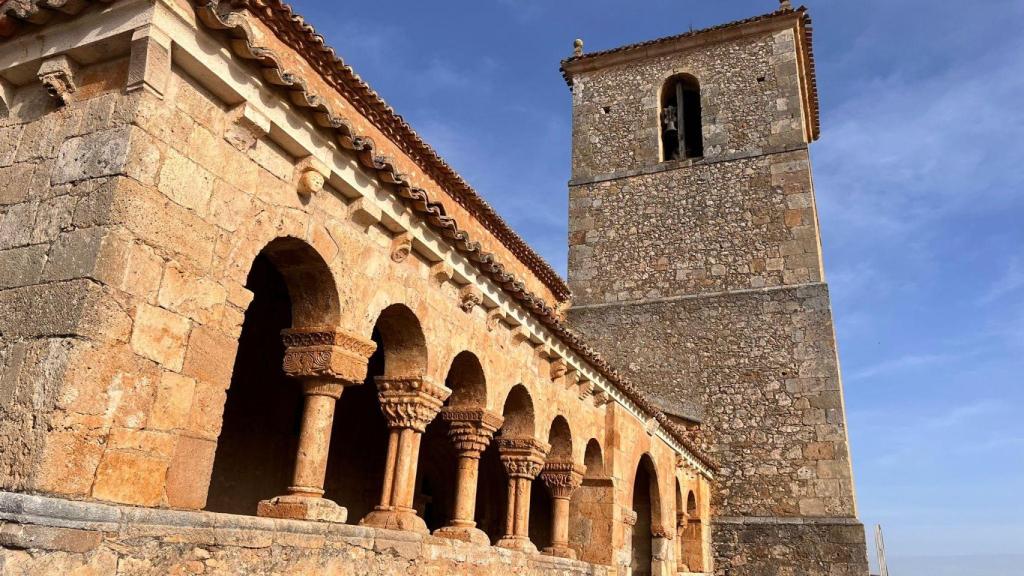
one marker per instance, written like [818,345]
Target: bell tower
[695,264]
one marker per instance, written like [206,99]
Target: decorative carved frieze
[58,76]
[410,402]
[522,457]
[471,430]
[401,247]
[325,353]
[562,478]
[469,298]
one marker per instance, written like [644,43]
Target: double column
[562,479]
[409,404]
[325,361]
[523,459]
[470,431]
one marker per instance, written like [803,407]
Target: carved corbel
[149,67]
[58,76]
[364,213]
[401,247]
[650,426]
[572,378]
[586,388]
[520,335]
[495,317]
[247,126]
[601,398]
[311,175]
[469,298]
[441,272]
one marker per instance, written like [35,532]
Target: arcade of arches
[321,423]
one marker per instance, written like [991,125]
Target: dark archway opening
[681,125]
[643,506]
[258,441]
[436,476]
[540,514]
[491,494]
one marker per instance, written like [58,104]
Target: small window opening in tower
[681,129]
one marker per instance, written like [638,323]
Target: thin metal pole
[883,569]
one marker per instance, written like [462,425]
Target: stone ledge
[788,521]
[720,294]
[672,165]
[30,521]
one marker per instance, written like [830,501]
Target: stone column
[409,404]
[661,551]
[324,361]
[562,479]
[625,560]
[523,459]
[681,565]
[470,431]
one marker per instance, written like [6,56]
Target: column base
[519,543]
[395,519]
[464,533]
[302,508]
[561,552]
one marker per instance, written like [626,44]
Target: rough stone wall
[750,101]
[702,278]
[712,227]
[57,262]
[770,547]
[763,367]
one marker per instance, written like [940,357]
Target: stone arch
[467,382]
[680,119]
[691,536]
[646,499]
[593,459]
[438,460]
[518,413]
[560,439]
[402,341]
[292,287]
[592,509]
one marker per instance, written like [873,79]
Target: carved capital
[326,353]
[522,457]
[659,531]
[562,478]
[410,402]
[58,76]
[471,430]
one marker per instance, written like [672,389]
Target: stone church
[251,323]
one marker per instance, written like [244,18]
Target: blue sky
[920,183]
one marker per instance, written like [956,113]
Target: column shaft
[559,522]
[465,491]
[314,445]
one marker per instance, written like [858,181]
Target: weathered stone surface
[92,156]
[160,335]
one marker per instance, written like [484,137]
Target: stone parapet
[51,535]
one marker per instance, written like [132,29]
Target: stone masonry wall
[763,367]
[735,225]
[55,258]
[800,548]
[750,102]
